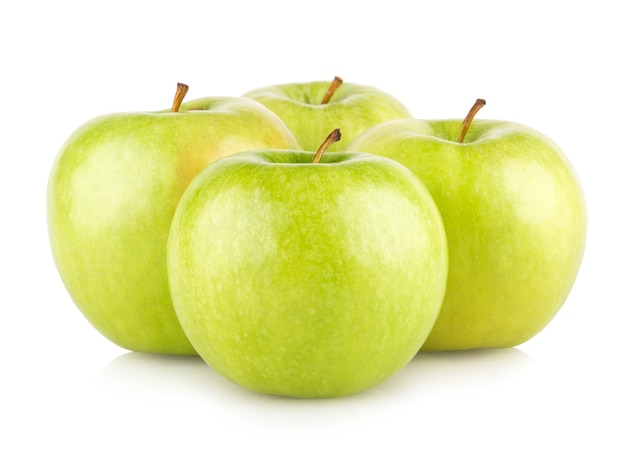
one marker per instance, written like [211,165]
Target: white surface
[69,394]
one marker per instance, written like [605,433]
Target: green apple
[313,109]
[112,193]
[325,277]
[515,219]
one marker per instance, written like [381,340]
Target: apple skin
[515,219]
[112,193]
[324,279]
[353,108]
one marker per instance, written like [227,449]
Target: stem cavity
[469,118]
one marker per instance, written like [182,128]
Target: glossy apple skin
[353,108]
[322,279]
[112,193]
[515,219]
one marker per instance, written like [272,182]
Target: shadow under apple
[147,375]
[450,371]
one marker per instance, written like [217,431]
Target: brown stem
[469,118]
[181,91]
[333,137]
[334,85]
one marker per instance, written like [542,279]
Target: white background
[69,395]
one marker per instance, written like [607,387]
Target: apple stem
[333,137]
[469,118]
[181,91]
[334,85]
